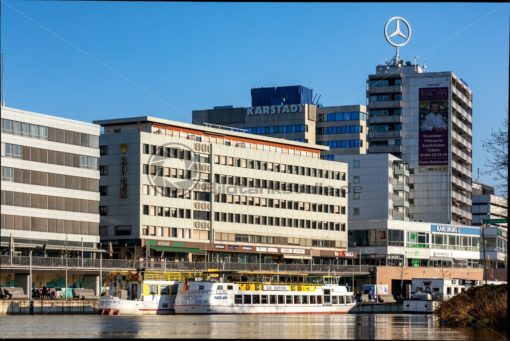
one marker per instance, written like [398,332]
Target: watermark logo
[177,177]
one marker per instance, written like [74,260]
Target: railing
[384,134]
[57,263]
[385,119]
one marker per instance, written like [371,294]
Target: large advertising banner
[433,133]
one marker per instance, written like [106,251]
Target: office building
[425,118]
[290,113]
[50,178]
[378,187]
[487,205]
[178,190]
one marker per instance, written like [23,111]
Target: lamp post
[30,277]
[82,252]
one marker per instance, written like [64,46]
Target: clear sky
[98,60]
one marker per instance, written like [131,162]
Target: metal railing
[58,263]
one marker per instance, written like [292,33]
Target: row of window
[48,202]
[49,133]
[246,238]
[36,224]
[385,82]
[277,203]
[386,127]
[281,129]
[342,116]
[385,97]
[48,156]
[385,112]
[176,153]
[291,299]
[342,143]
[168,172]
[171,192]
[277,221]
[32,177]
[257,184]
[277,167]
[164,231]
[339,130]
[160,211]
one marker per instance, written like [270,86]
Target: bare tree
[497,160]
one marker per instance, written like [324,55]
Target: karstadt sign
[275,109]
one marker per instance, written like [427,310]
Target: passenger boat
[140,293]
[218,297]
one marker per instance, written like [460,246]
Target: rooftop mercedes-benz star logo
[390,38]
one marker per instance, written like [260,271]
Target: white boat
[133,295]
[215,297]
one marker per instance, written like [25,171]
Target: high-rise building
[425,118]
[183,190]
[50,179]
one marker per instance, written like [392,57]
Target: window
[12,150]
[356,211]
[103,170]
[122,230]
[7,173]
[103,190]
[356,179]
[103,150]
[356,164]
[145,148]
[356,196]
[103,210]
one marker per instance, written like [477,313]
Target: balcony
[399,216]
[400,202]
[461,154]
[461,168]
[463,112]
[385,149]
[384,89]
[461,125]
[385,119]
[384,104]
[384,134]
[463,198]
[460,212]
[399,185]
[461,95]
[461,183]
[401,171]
[459,139]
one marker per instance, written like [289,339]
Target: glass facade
[342,143]
[281,129]
[342,116]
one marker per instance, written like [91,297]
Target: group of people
[44,293]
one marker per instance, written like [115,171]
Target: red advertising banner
[433,124]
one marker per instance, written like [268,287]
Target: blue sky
[95,60]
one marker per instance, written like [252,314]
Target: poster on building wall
[433,129]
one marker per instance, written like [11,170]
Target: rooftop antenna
[397,32]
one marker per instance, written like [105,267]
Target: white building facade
[180,190]
[50,178]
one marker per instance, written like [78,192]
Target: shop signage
[275,109]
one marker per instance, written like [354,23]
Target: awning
[297,257]
[177,249]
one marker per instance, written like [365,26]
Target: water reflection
[368,326]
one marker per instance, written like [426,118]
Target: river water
[361,326]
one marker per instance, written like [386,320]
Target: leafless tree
[496,147]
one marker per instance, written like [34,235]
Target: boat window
[165,290]
[304,299]
[327,291]
[448,290]
[256,299]
[288,299]
[175,289]
[263,299]
[153,289]
[312,299]
[230,287]
[327,299]
[455,291]
[219,287]
[238,299]
[281,299]
[247,299]
[341,299]
[334,300]
[297,299]
[348,299]
[200,287]
[319,299]
[272,299]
